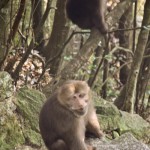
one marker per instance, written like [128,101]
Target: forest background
[41,48]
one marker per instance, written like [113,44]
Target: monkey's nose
[81,109]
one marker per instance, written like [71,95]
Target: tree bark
[124,41]
[4,32]
[58,37]
[97,62]
[13,30]
[3,3]
[37,15]
[143,81]
[15,74]
[137,60]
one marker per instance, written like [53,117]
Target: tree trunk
[137,60]
[16,21]
[4,31]
[143,81]
[87,50]
[58,37]
[3,3]
[37,15]
[13,31]
[91,44]
[105,72]
[124,41]
[97,62]
[15,74]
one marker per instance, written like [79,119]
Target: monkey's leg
[59,145]
[99,22]
[99,18]
[93,126]
[77,144]
[55,145]
[75,140]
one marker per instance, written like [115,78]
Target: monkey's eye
[81,95]
[74,96]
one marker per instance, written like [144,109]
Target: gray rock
[24,147]
[125,142]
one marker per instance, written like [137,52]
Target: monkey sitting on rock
[67,115]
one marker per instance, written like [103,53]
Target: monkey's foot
[91,147]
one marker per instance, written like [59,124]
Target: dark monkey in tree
[87,13]
[67,115]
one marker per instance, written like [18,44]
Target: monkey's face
[75,97]
[78,103]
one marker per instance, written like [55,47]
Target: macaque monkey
[67,115]
[87,13]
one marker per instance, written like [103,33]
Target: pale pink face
[75,97]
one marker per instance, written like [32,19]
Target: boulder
[116,122]
[29,102]
[6,87]
[125,142]
[19,113]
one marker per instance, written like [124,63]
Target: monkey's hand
[101,135]
[91,147]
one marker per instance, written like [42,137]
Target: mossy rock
[112,119]
[19,119]
[106,108]
[10,129]
[29,103]
[6,87]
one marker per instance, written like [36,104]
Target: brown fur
[87,13]
[65,117]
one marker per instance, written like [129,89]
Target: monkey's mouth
[79,112]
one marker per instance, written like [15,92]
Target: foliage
[39,46]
